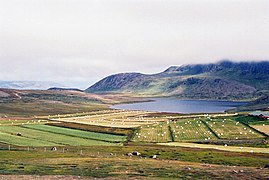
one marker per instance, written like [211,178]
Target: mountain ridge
[224,80]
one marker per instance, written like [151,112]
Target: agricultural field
[21,122]
[12,139]
[262,128]
[18,135]
[199,129]
[218,147]
[98,144]
[230,129]
[191,130]
[78,133]
[153,133]
[113,118]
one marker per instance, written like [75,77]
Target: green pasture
[78,133]
[47,138]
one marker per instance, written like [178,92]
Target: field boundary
[211,130]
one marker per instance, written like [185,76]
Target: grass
[218,147]
[47,107]
[87,154]
[23,141]
[120,119]
[251,120]
[21,122]
[78,133]
[48,137]
[191,130]
[230,129]
[153,133]
[99,129]
[172,163]
[262,128]
[196,130]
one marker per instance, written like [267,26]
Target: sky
[78,42]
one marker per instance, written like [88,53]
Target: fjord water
[181,106]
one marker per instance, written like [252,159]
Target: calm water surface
[181,106]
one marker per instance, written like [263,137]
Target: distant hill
[261,103]
[224,80]
[64,89]
[34,85]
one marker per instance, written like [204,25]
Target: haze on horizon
[78,42]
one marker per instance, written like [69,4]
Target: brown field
[262,128]
[113,118]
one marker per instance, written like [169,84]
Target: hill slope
[223,80]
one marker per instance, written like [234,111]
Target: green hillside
[224,80]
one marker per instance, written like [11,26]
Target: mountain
[37,85]
[223,80]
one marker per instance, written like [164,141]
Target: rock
[266,166]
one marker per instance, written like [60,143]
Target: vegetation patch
[78,133]
[50,138]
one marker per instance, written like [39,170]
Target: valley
[195,132]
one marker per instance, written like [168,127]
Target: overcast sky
[77,42]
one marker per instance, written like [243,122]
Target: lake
[181,106]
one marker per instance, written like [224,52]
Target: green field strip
[51,137]
[78,133]
[23,141]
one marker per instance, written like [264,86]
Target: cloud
[79,41]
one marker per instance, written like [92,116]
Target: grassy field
[218,147]
[172,163]
[191,130]
[90,145]
[21,122]
[122,119]
[45,138]
[230,129]
[251,120]
[9,138]
[262,128]
[196,129]
[153,133]
[78,133]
